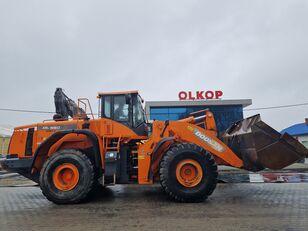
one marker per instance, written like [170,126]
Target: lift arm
[149,155]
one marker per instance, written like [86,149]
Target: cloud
[249,49]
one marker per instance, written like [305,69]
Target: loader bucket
[260,146]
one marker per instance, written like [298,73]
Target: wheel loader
[73,153]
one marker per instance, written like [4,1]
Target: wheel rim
[66,177]
[189,173]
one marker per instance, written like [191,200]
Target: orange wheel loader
[74,152]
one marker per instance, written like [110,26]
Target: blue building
[225,111]
[299,131]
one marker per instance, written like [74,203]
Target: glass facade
[224,115]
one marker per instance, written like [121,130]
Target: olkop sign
[199,95]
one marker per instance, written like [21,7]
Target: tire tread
[170,155]
[54,158]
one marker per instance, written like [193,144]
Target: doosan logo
[209,141]
[200,95]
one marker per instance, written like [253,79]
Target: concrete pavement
[232,207]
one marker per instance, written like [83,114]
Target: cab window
[138,112]
[107,106]
[120,108]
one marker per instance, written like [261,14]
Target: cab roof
[117,93]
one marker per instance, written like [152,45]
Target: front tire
[188,173]
[67,177]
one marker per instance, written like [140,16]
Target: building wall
[303,140]
[224,115]
[4,144]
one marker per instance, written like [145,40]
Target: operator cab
[125,108]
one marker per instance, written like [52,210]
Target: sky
[248,49]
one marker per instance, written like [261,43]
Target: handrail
[196,112]
[80,100]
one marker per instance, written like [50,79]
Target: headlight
[111,155]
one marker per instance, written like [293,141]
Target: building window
[224,115]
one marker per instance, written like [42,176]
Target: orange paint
[189,173]
[65,177]
[111,135]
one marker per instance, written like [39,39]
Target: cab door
[125,109]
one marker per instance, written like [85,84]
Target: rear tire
[67,177]
[188,173]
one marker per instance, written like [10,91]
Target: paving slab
[245,206]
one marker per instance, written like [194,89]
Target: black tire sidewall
[180,192]
[85,178]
